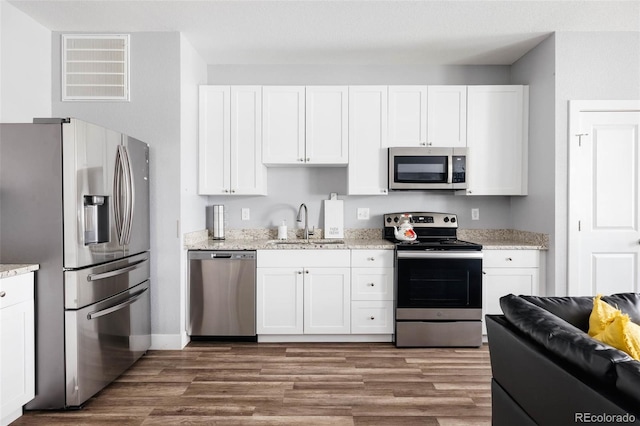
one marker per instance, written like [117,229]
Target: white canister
[282,231]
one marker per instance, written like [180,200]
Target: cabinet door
[367,140]
[248,176]
[17,346]
[407,115]
[327,301]
[447,116]
[283,124]
[498,282]
[327,125]
[279,301]
[214,140]
[497,121]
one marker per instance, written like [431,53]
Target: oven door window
[420,169]
[439,283]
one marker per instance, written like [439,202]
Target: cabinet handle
[308,159]
[233,191]
[2,294]
[384,191]
[372,285]
[484,273]
[371,259]
[423,143]
[301,160]
[299,272]
[372,318]
[226,190]
[508,259]
[306,271]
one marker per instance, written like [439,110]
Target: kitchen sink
[316,242]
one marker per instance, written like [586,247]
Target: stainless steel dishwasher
[222,295]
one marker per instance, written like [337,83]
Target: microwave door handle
[450,169]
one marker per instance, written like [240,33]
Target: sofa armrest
[629,380]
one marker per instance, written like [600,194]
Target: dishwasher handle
[215,254]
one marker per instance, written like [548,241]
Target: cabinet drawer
[372,284]
[16,289]
[303,258]
[511,258]
[372,258]
[372,317]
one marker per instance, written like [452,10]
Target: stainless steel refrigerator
[74,198]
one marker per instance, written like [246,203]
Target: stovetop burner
[435,231]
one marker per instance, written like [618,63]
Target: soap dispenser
[282,231]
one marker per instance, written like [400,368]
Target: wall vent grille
[95,67]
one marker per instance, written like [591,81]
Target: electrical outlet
[246,215]
[363,213]
[475,214]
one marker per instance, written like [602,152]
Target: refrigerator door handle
[131,195]
[132,267]
[112,309]
[119,194]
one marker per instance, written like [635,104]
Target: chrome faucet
[306,220]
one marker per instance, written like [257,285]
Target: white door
[327,301]
[497,118]
[327,125]
[407,115]
[214,140]
[447,116]
[279,300]
[283,124]
[367,140]
[604,234]
[248,174]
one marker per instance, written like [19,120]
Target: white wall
[288,187]
[153,115]
[535,212]
[193,72]
[25,67]
[589,66]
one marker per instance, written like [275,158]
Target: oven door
[439,280]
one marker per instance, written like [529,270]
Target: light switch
[475,214]
[246,213]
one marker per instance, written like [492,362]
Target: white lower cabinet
[17,348]
[303,292]
[371,291]
[508,271]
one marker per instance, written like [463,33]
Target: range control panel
[422,219]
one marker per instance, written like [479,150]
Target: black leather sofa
[548,371]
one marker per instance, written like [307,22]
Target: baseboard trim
[169,341]
[320,338]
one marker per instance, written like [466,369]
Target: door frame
[575,203]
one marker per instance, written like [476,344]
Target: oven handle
[439,255]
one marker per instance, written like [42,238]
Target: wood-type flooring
[292,384]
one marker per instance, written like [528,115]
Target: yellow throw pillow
[601,316]
[622,334]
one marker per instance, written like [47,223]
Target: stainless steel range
[438,283]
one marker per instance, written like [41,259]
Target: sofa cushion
[563,339]
[629,379]
[628,303]
[574,310]
[601,316]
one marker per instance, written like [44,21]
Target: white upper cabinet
[305,125]
[428,116]
[367,140]
[497,129]
[283,125]
[447,116]
[230,143]
[407,115]
[327,114]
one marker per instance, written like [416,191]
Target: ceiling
[478,32]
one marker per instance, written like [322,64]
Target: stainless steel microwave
[427,168]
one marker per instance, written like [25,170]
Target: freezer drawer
[103,340]
[86,286]
[222,293]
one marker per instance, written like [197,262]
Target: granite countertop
[9,270]
[263,239]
